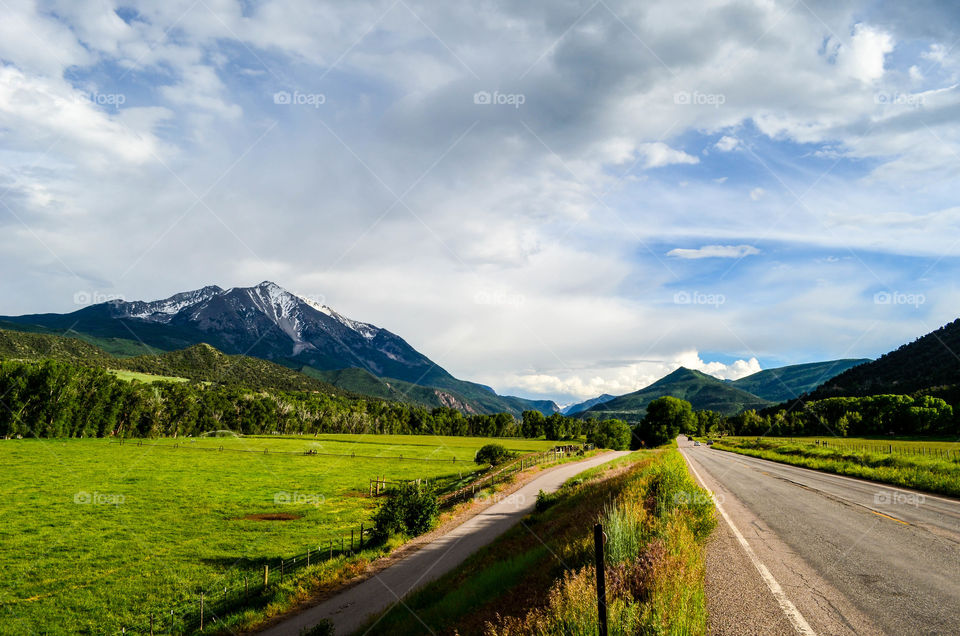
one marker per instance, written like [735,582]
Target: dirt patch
[273,516]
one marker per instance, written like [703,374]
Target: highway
[826,554]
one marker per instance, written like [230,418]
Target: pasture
[99,535]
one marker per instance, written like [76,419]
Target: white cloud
[628,378]
[757,193]
[727,143]
[659,154]
[864,57]
[715,251]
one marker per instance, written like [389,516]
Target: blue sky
[558,199]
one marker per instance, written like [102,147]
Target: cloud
[628,378]
[657,155]
[714,251]
[400,199]
[727,143]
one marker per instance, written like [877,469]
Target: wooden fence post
[361,536]
[151,625]
[201,611]
[598,539]
[266,575]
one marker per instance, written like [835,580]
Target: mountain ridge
[271,323]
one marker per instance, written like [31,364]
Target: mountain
[573,409]
[270,323]
[788,383]
[701,390]
[927,363]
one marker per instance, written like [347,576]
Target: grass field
[146,378]
[933,466]
[98,535]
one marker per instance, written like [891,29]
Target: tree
[613,434]
[666,418]
[409,509]
[532,424]
[555,427]
[493,454]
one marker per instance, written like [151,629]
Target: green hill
[788,383]
[928,364]
[200,363]
[701,390]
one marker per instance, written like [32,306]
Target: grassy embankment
[99,536]
[936,469]
[540,578]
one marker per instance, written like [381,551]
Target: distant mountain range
[573,409]
[270,323]
[701,390]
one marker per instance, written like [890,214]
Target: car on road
[696,443]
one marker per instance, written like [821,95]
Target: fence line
[308,452]
[876,446]
[212,603]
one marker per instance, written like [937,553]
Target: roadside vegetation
[539,577]
[936,473]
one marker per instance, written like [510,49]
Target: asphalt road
[350,609]
[840,555]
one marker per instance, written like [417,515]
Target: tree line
[871,416]
[58,400]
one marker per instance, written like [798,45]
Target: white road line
[793,614]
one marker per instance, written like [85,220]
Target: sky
[555,198]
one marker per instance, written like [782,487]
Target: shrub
[409,509]
[545,500]
[493,454]
[323,628]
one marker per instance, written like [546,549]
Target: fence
[208,606]
[876,446]
[309,452]
[213,602]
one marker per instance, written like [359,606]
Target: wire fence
[932,450]
[251,582]
[243,588]
[308,453]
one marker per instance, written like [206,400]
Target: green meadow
[99,535]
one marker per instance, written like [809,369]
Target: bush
[545,500]
[409,509]
[323,628]
[493,454]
